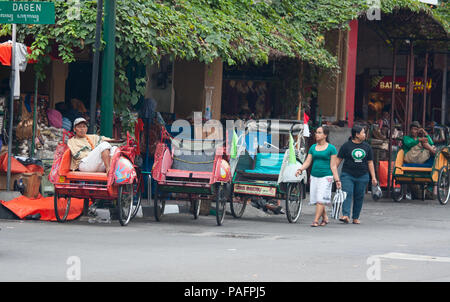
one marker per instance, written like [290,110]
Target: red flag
[305,118]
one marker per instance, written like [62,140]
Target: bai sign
[27,12]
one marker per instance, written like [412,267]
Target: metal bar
[391,125]
[108,69]
[405,113]
[33,138]
[11,106]
[444,92]
[411,85]
[425,74]
[95,67]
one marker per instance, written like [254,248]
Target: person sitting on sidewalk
[418,146]
[90,152]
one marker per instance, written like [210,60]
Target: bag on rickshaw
[53,176]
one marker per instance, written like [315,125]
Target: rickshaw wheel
[221,203]
[158,206]
[125,203]
[237,208]
[443,186]
[294,201]
[62,207]
[196,205]
[137,197]
[398,196]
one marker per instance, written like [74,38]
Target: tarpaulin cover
[23,206]
[17,167]
[267,163]
[383,173]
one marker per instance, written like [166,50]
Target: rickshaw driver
[90,152]
[418,146]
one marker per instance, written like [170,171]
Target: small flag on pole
[305,125]
[233,151]
[292,159]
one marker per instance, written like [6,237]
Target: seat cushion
[267,163]
[427,164]
[88,176]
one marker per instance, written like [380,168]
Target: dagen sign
[27,12]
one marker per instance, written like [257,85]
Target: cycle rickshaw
[192,170]
[262,171]
[122,184]
[435,172]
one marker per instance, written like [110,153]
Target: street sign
[27,12]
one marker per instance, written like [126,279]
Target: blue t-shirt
[321,160]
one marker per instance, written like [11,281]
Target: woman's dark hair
[355,130]
[326,131]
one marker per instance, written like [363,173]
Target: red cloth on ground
[23,206]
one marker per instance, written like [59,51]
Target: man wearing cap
[90,152]
[418,146]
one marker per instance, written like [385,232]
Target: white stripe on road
[401,256]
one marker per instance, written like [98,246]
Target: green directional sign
[27,12]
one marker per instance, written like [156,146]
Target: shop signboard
[385,84]
[17,12]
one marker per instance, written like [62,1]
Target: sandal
[315,224]
[344,219]
[324,222]
[356,221]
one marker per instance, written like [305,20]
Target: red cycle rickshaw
[121,185]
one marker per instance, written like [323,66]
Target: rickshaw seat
[267,163]
[64,170]
[406,167]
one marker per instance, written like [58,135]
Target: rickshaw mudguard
[122,170]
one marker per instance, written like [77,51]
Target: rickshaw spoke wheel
[221,202]
[443,186]
[237,205]
[62,207]
[294,201]
[158,205]
[125,203]
[137,197]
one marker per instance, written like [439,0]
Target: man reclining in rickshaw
[90,152]
[418,146]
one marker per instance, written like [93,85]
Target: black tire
[196,207]
[62,207]
[125,203]
[137,198]
[443,186]
[221,202]
[398,193]
[158,206]
[294,201]
[237,208]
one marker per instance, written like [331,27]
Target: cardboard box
[3,179]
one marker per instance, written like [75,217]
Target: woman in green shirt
[322,155]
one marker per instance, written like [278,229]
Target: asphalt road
[407,241]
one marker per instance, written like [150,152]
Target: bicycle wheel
[294,201]
[196,207]
[158,205]
[137,197]
[221,203]
[62,207]
[443,186]
[237,205]
[125,203]
[398,193]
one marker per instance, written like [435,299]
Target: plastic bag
[376,192]
[338,200]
